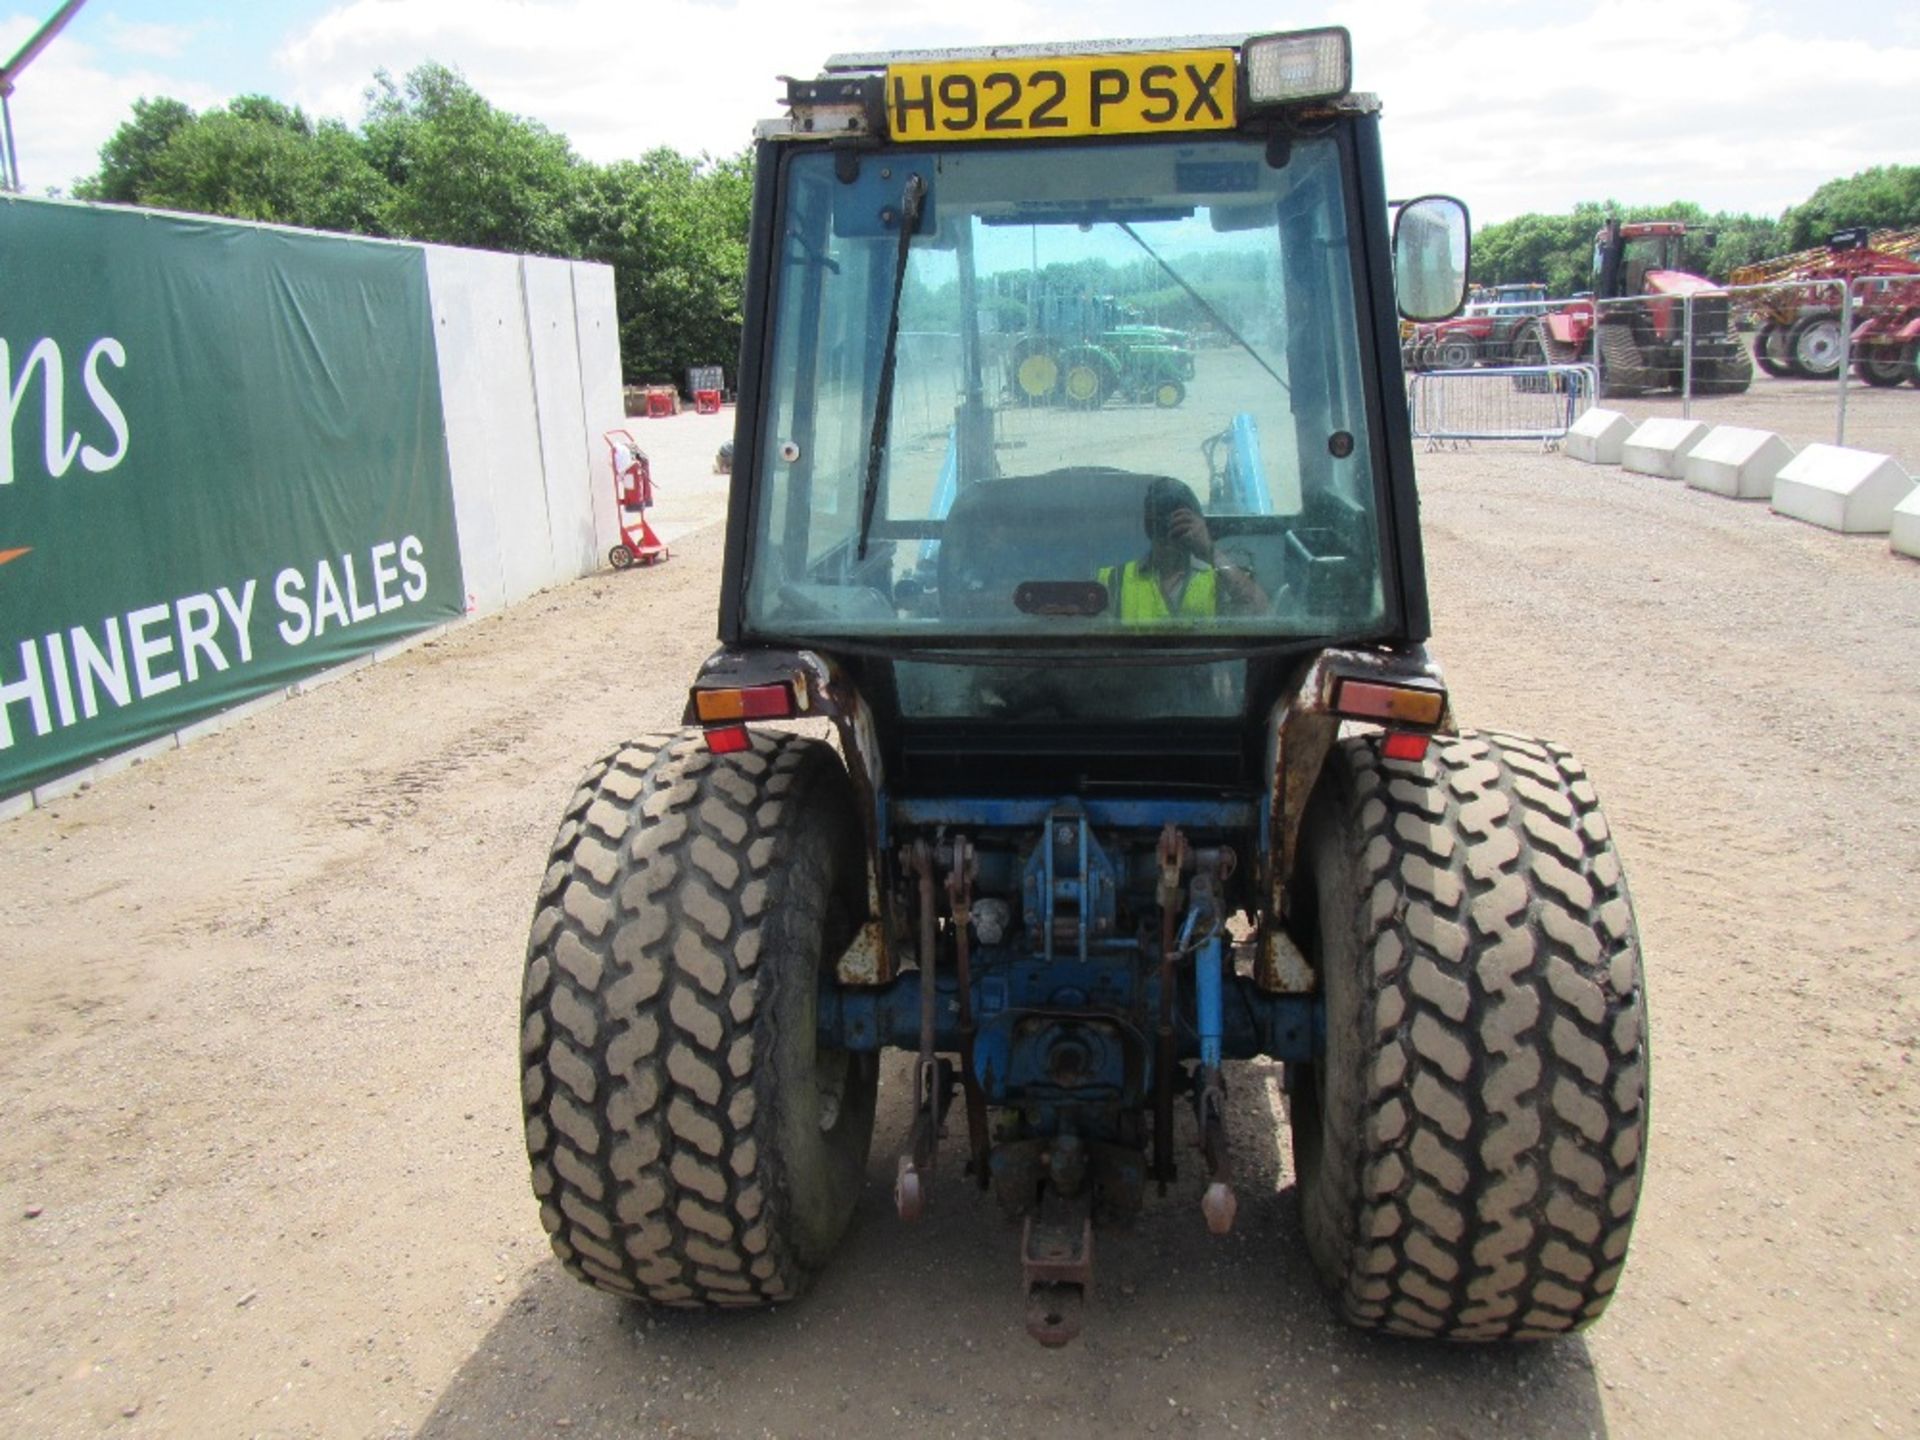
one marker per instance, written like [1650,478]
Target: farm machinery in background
[1482,334]
[1083,350]
[1643,347]
[1800,326]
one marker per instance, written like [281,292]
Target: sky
[1513,105]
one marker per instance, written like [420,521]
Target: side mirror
[1431,249]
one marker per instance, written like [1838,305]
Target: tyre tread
[1503,1122]
[651,1150]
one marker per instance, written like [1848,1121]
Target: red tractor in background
[1642,347]
[1800,329]
[1481,334]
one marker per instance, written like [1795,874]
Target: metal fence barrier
[1719,342]
[1525,402]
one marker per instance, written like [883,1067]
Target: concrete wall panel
[547,286]
[604,398]
[493,439]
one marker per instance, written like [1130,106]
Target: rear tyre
[1085,381]
[620,557]
[1813,345]
[1036,373]
[1456,352]
[1470,1147]
[1885,370]
[1770,350]
[691,1142]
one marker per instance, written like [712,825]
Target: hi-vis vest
[1139,598]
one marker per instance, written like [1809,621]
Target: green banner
[226,469]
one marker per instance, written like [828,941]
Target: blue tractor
[1081,754]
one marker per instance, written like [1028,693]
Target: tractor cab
[1073,490]
[1056,357]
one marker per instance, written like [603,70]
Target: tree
[1558,249]
[462,172]
[674,227]
[225,163]
[126,160]
[1885,196]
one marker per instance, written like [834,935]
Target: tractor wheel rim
[1820,346]
[1082,383]
[1037,374]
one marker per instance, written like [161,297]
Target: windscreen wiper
[910,199]
[1204,304]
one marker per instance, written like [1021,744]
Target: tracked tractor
[1085,759]
[1643,347]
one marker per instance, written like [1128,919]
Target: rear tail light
[753,702]
[1378,700]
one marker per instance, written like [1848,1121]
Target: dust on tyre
[691,1144]
[1470,1145]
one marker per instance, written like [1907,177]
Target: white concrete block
[1660,446]
[1852,491]
[1737,462]
[1904,537]
[1598,436]
[14,806]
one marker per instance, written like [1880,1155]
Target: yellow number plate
[1057,98]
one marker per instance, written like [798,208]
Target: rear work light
[754,702]
[1377,700]
[1304,65]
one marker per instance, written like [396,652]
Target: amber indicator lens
[755,702]
[1370,700]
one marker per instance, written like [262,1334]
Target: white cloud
[155,41]
[615,78]
[71,100]
[1512,105]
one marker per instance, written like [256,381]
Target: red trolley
[632,495]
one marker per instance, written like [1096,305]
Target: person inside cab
[1182,575]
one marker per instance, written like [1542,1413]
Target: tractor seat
[1063,525]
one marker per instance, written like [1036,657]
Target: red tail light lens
[728,739]
[1405,745]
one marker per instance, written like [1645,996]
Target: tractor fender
[1301,728]
[822,690]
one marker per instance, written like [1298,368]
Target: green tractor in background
[1082,351]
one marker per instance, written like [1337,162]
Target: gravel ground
[260,1161]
